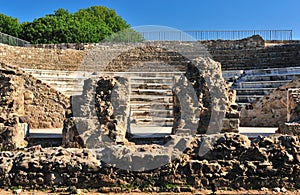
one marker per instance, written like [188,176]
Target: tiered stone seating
[251,85]
[151,101]
[67,82]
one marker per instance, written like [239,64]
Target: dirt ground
[85,192]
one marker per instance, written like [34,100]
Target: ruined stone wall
[258,58]
[43,106]
[234,162]
[249,53]
[269,111]
[39,58]
[12,129]
[252,42]
[292,126]
[214,103]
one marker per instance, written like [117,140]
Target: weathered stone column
[12,132]
[100,114]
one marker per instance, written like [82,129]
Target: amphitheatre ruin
[153,116]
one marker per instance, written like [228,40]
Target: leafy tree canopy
[89,25]
[9,25]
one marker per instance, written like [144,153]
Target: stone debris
[233,162]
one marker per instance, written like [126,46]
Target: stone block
[289,129]
[231,125]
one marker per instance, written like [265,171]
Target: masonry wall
[251,42]
[213,104]
[269,111]
[12,107]
[233,162]
[258,58]
[43,106]
[40,58]
[249,53]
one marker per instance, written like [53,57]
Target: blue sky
[180,14]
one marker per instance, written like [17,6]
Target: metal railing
[282,35]
[13,41]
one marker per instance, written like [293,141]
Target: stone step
[154,118]
[60,80]
[253,91]
[253,132]
[152,93]
[152,86]
[65,85]
[45,133]
[270,77]
[248,98]
[151,122]
[148,106]
[265,84]
[151,98]
[231,75]
[153,74]
[152,111]
[160,77]
[40,73]
[141,90]
[165,81]
[284,70]
[151,102]
[146,115]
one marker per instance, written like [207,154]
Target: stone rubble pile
[232,161]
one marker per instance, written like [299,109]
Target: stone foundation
[233,162]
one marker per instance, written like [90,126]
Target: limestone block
[12,136]
[231,125]
[289,129]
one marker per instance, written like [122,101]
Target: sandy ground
[85,192]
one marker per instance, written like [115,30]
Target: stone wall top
[242,54]
[250,42]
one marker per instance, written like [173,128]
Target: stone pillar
[12,130]
[100,114]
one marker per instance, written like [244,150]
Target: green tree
[9,25]
[127,35]
[84,26]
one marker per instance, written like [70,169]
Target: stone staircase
[251,85]
[151,104]
[67,82]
